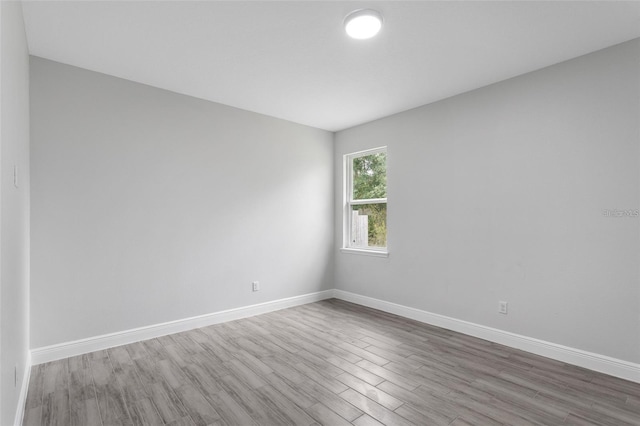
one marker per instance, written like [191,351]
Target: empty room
[265,213]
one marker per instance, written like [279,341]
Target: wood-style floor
[328,363]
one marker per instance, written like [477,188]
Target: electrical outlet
[502,307]
[256,285]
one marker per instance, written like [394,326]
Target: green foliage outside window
[370,182]
[370,176]
[377,227]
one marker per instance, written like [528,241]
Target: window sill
[363,252]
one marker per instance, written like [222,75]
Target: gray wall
[498,194]
[149,206]
[14,207]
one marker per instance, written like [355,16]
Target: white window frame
[349,202]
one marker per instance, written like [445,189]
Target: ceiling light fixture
[362,24]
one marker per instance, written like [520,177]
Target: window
[365,214]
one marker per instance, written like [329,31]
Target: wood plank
[250,402]
[182,421]
[431,406]
[356,371]
[36,388]
[230,411]
[289,390]
[422,417]
[33,416]
[199,409]
[366,420]
[55,408]
[155,349]
[136,350]
[146,413]
[371,392]
[171,374]
[334,402]
[287,408]
[373,409]
[404,381]
[325,416]
[84,412]
[330,362]
[119,356]
[56,376]
[245,374]
[199,378]
[316,375]
[167,403]
[111,403]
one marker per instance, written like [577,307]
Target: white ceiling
[292,59]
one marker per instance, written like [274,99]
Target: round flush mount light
[362,24]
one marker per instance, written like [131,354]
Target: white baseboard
[22,399]
[602,363]
[79,347]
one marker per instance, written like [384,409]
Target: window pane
[370,176]
[369,225]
